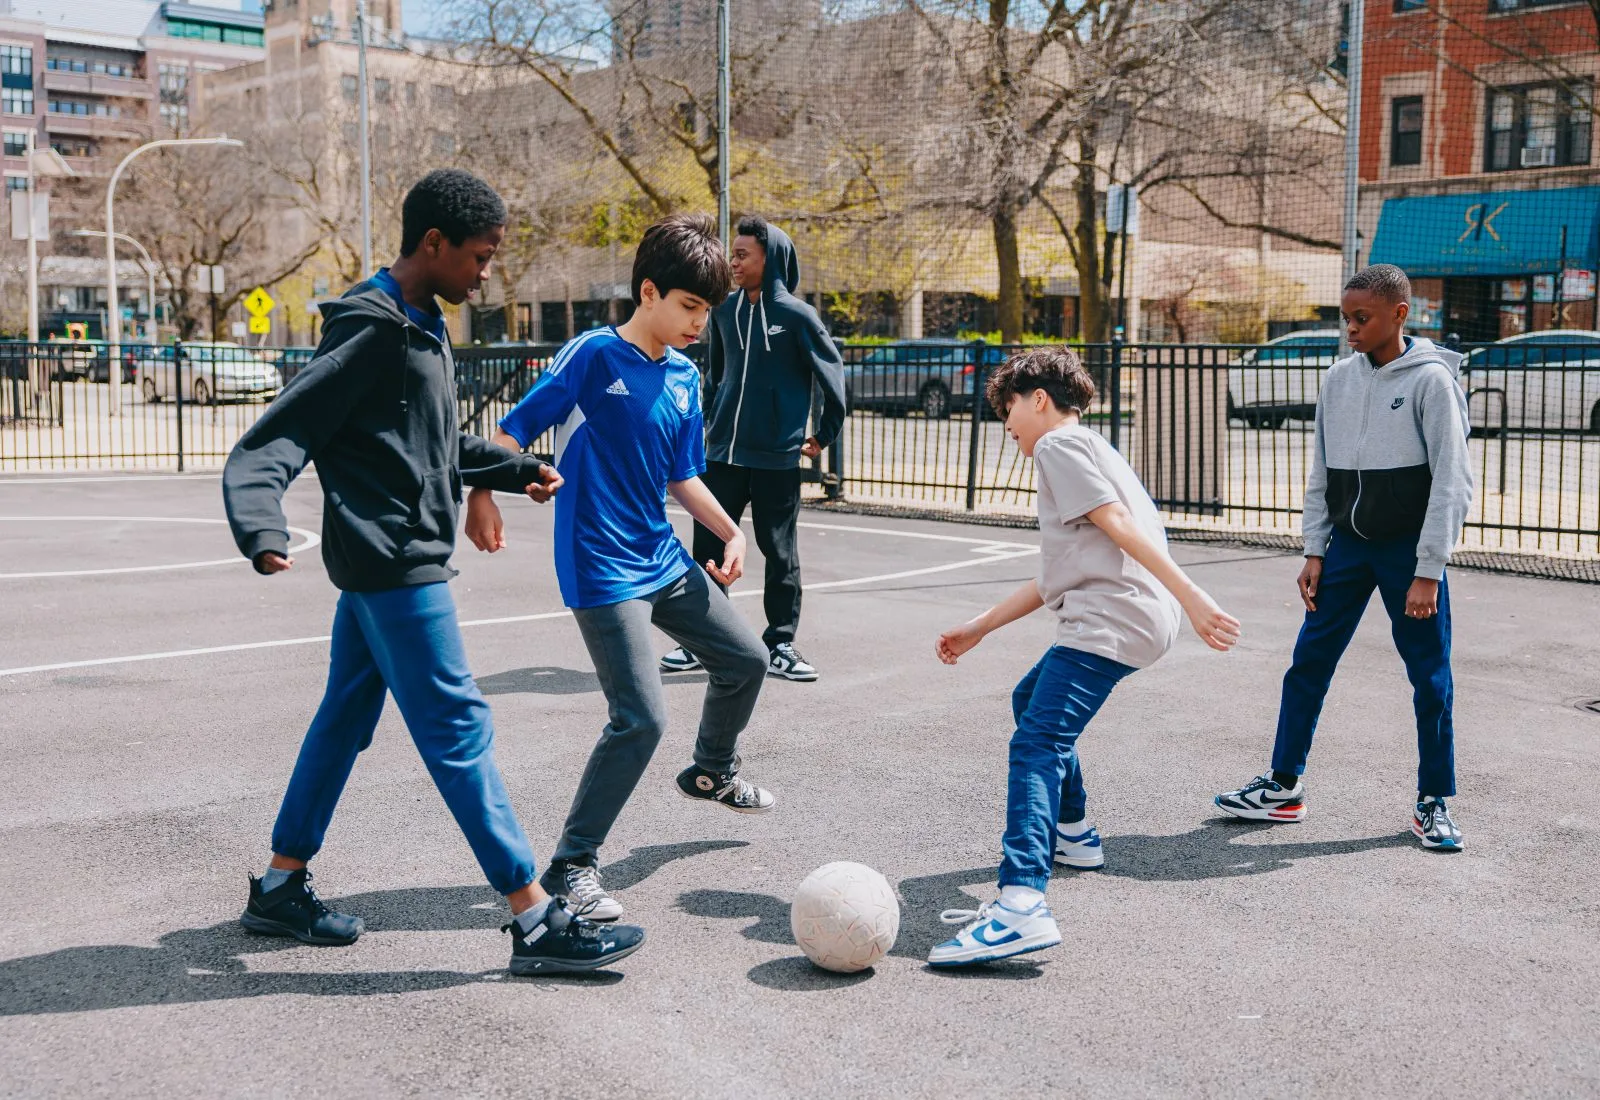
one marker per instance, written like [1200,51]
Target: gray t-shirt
[1107,603]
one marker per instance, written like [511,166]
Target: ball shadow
[797,974]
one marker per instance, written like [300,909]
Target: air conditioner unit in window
[1542,157]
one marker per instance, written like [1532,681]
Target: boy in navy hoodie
[376,411]
[1390,484]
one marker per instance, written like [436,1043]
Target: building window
[1538,126]
[347,85]
[174,83]
[175,116]
[1410,5]
[16,144]
[411,95]
[69,147]
[1521,5]
[381,90]
[443,97]
[17,61]
[16,101]
[214,32]
[16,183]
[444,145]
[1405,130]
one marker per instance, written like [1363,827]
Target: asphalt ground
[1330,958]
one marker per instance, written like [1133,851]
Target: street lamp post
[113,308]
[366,140]
[149,271]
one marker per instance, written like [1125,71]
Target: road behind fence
[1220,434]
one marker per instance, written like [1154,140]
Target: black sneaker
[725,788]
[566,941]
[294,909]
[579,883]
[786,663]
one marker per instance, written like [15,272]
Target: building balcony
[97,126]
[120,87]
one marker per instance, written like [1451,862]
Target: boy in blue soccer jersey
[626,408]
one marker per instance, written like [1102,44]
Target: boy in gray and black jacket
[1389,489]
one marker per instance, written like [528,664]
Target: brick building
[1477,168]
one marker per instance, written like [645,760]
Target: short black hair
[753,225]
[682,252]
[1385,280]
[1056,370]
[455,202]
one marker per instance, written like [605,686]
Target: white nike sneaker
[680,660]
[995,932]
[1262,799]
[1079,846]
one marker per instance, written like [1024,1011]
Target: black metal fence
[1221,434]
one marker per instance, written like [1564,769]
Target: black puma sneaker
[293,909]
[567,942]
[725,788]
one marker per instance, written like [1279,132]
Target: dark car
[934,377]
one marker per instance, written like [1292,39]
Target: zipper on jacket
[1361,440]
[744,374]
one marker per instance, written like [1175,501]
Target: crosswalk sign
[259,303]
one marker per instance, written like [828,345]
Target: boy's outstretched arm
[299,421]
[547,403]
[697,500]
[957,640]
[1216,627]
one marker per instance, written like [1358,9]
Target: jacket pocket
[1394,503]
[429,531]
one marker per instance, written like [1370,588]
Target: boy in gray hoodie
[1389,489]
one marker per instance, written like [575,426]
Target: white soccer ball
[845,917]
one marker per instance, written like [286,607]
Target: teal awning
[1490,232]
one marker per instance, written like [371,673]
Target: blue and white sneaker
[995,932]
[1078,845]
[1433,825]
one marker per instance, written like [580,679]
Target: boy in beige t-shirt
[1105,571]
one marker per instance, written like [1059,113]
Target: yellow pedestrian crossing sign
[259,303]
[260,326]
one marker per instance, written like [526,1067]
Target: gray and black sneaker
[567,941]
[725,788]
[680,660]
[1433,825]
[293,909]
[787,663]
[579,883]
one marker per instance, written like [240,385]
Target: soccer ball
[845,917]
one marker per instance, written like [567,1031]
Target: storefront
[1488,265]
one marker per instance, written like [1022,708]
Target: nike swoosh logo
[1284,801]
[978,934]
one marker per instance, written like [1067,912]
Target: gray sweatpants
[696,615]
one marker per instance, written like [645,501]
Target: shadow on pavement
[538,681]
[643,862]
[1210,852]
[795,974]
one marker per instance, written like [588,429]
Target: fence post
[975,421]
[177,394]
[1116,391]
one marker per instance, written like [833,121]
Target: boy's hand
[485,528]
[810,448]
[732,567]
[270,562]
[1310,577]
[1422,599]
[957,640]
[1216,627]
[549,481]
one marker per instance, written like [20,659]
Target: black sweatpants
[774,500]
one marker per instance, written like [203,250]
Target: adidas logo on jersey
[618,388]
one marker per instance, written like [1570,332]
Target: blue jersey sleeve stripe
[564,356]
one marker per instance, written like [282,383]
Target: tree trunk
[1093,312]
[1009,263]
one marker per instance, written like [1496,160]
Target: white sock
[1073,828]
[532,917]
[274,878]
[1021,899]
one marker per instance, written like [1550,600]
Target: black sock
[1287,780]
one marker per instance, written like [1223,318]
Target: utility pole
[366,140]
[1352,134]
[724,94]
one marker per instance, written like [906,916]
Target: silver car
[1535,381]
[1281,379]
[211,372]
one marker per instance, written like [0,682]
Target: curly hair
[455,202]
[1385,280]
[752,225]
[682,252]
[1056,370]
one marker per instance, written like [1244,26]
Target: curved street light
[113,307]
[149,269]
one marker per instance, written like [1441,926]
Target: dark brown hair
[682,252]
[1056,370]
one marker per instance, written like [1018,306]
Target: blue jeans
[1052,704]
[1352,569]
[405,641]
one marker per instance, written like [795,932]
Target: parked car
[1535,381]
[75,360]
[1281,379]
[934,377]
[212,371]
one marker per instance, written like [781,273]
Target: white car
[1281,379]
[1535,381]
[212,371]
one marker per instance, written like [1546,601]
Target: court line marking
[7,480]
[1020,551]
[311,540]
